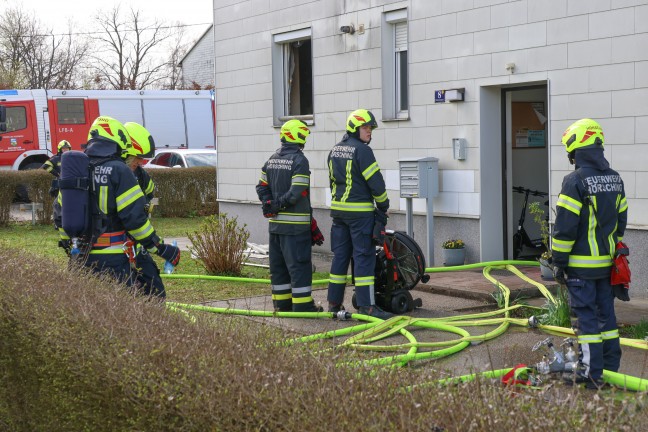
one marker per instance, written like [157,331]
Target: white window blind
[400,36]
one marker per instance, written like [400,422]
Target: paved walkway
[472,285]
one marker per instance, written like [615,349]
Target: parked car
[182,158]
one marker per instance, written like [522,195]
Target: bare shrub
[219,244]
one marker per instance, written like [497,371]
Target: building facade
[198,63]
[485,86]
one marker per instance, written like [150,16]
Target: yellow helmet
[63,144]
[108,129]
[141,139]
[360,117]
[583,133]
[294,131]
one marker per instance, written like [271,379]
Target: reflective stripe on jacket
[585,234]
[355,179]
[286,176]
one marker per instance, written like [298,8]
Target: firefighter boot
[375,312]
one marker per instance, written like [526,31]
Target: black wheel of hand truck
[401,302]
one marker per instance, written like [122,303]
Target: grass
[42,240]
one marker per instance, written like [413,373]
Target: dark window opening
[70,111]
[299,78]
[16,118]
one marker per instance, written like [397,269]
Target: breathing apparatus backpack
[79,213]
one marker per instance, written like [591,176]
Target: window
[292,76]
[70,111]
[395,66]
[16,118]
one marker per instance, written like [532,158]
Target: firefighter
[117,205]
[53,165]
[284,189]
[356,184]
[591,216]
[143,148]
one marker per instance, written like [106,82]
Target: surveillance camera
[347,29]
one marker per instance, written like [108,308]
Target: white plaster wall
[594,54]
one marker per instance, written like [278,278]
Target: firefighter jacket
[145,182]
[53,165]
[356,181]
[591,216]
[285,178]
[120,203]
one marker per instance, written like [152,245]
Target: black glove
[378,235]
[559,275]
[317,238]
[270,208]
[621,292]
[169,253]
[380,220]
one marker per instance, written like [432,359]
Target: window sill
[395,119]
[308,119]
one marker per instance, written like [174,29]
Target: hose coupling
[342,315]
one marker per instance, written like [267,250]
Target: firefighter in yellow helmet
[359,207]
[284,192]
[143,148]
[115,204]
[53,165]
[591,217]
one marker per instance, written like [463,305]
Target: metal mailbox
[419,177]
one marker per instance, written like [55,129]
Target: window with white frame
[394,65]
[292,76]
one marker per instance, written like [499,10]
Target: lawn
[42,240]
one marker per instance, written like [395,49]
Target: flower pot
[546,272]
[454,257]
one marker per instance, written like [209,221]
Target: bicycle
[521,239]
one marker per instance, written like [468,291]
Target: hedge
[181,192]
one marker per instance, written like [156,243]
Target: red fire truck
[36,120]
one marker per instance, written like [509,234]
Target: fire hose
[364,335]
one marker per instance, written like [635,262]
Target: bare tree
[31,57]
[127,49]
[177,49]
[15,28]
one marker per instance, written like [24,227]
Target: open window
[292,76]
[395,66]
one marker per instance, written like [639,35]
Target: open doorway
[525,129]
[514,152]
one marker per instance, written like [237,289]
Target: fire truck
[37,120]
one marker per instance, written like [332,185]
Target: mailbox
[419,177]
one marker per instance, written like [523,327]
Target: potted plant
[538,213]
[454,252]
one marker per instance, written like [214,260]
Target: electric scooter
[523,245]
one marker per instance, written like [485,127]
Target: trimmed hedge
[78,353]
[181,192]
[185,192]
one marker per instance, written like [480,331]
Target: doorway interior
[514,153]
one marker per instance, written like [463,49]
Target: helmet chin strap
[572,157]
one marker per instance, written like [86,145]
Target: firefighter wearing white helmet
[143,148]
[591,217]
[116,204]
[284,192]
